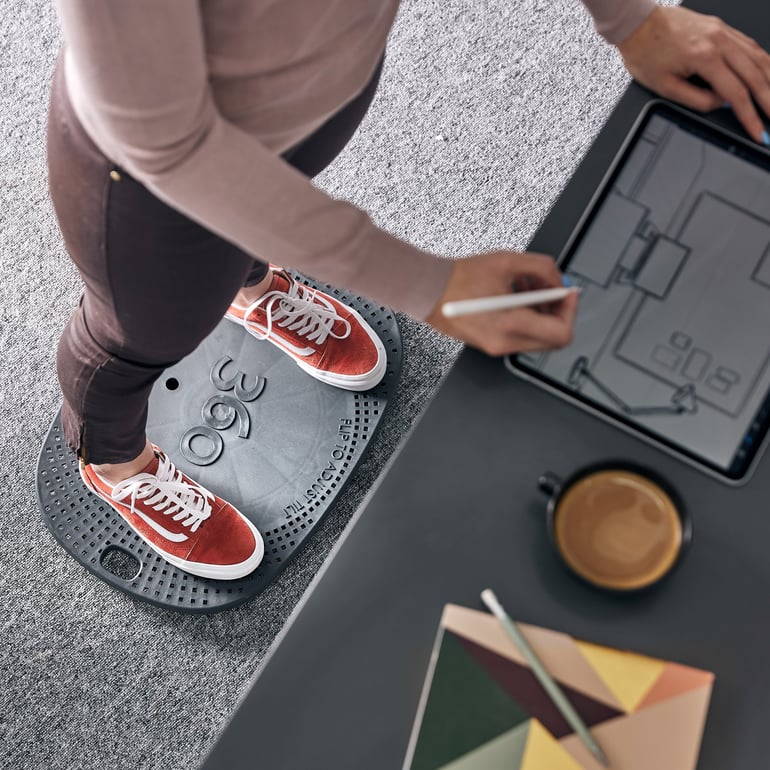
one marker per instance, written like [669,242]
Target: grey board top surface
[242,419]
[458,510]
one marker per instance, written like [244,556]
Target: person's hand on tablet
[674,44]
[501,332]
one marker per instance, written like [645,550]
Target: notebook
[483,709]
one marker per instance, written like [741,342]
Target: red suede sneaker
[186,524]
[326,338]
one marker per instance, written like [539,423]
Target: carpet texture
[484,110]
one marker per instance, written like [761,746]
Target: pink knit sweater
[198,99]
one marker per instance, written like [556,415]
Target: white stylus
[506,301]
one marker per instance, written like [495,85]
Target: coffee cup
[618,526]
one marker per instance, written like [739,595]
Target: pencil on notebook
[546,680]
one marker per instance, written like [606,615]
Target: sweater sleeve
[615,20]
[139,70]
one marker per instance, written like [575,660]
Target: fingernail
[766,139]
[565,281]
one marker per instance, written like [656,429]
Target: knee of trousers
[86,362]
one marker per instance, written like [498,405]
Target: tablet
[672,255]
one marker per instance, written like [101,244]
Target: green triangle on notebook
[507,750]
[466,708]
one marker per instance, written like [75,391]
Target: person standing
[182,140]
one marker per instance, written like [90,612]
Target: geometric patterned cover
[482,707]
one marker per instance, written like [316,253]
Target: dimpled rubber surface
[245,421]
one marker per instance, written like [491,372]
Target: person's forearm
[615,20]
[138,73]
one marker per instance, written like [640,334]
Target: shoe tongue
[280,283]
[152,466]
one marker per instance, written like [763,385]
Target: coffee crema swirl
[618,529]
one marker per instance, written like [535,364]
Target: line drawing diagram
[682,399]
[674,270]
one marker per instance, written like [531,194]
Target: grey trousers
[155,282]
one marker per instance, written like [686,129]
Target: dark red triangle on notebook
[523,686]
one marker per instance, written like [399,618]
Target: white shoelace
[168,493]
[301,310]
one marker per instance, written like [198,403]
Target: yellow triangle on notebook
[544,752]
[629,676]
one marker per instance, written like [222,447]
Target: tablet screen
[673,260]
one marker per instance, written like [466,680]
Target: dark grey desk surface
[459,510]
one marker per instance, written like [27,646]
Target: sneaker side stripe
[261,332]
[179,537]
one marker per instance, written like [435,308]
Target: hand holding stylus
[504,331]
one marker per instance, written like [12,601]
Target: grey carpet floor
[484,111]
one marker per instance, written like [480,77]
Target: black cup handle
[549,483]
